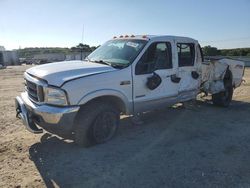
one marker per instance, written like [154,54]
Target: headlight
[55,96]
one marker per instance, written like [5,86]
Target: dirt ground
[198,145]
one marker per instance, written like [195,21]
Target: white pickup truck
[126,75]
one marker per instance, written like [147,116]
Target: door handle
[175,78]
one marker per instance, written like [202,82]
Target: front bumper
[58,120]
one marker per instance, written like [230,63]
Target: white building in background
[8,57]
[2,48]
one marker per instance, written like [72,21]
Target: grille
[35,92]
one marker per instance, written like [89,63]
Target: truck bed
[213,72]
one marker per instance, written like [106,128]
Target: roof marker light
[144,36]
[126,36]
[121,36]
[132,36]
[114,37]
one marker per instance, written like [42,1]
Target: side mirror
[154,81]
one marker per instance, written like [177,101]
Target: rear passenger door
[187,71]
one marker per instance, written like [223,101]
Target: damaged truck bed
[214,73]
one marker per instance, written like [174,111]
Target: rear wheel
[96,123]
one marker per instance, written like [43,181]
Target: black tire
[90,123]
[224,98]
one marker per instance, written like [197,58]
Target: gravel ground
[195,145]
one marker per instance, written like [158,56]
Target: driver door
[157,62]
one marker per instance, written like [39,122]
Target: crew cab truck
[126,75]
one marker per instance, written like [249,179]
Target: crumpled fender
[215,73]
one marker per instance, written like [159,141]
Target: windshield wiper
[119,65]
[115,65]
[103,62]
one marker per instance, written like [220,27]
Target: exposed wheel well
[113,100]
[228,78]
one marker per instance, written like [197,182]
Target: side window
[157,56]
[186,54]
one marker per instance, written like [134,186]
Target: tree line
[30,52]
[213,51]
[207,51]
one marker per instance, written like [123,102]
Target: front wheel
[104,126]
[96,123]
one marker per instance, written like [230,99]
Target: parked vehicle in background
[40,61]
[126,75]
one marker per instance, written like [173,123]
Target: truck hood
[58,73]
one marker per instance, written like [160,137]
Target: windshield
[120,52]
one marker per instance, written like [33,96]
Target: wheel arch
[114,97]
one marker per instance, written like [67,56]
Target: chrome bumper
[56,119]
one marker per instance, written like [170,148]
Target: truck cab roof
[157,37]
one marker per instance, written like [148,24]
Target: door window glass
[186,54]
[157,56]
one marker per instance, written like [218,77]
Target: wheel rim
[104,127]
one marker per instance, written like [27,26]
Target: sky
[66,23]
